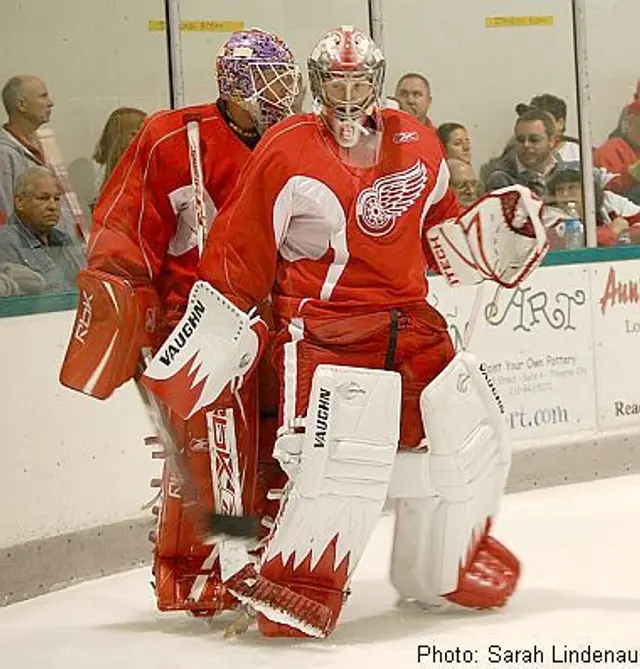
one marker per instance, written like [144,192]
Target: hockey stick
[197,178]
[211,525]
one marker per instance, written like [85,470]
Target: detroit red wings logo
[381,205]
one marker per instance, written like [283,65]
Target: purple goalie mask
[257,70]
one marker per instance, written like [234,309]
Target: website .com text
[523,419]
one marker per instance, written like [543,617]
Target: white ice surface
[580,585]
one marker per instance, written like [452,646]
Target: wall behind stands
[97,56]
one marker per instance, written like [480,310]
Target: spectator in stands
[567,147]
[532,161]
[620,155]
[413,91]
[28,106]
[456,141]
[121,127]
[30,238]
[617,218]
[463,181]
[617,132]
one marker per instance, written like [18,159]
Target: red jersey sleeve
[442,205]
[241,253]
[133,221]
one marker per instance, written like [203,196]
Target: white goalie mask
[346,76]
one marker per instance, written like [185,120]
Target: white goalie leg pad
[348,450]
[213,344]
[446,495]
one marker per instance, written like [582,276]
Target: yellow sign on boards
[517,21]
[201,26]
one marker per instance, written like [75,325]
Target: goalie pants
[411,340]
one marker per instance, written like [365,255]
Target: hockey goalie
[149,227]
[337,217]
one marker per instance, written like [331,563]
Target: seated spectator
[568,148]
[121,127]
[531,162]
[30,237]
[617,218]
[617,132]
[464,182]
[28,106]
[413,92]
[456,142]
[621,156]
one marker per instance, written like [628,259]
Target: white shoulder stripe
[439,191]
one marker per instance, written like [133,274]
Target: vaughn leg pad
[350,442]
[449,495]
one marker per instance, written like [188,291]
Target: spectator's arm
[17,279]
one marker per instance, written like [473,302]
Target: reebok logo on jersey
[381,205]
[322,418]
[405,137]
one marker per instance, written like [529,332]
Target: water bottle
[573,228]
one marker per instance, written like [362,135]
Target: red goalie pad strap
[114,321]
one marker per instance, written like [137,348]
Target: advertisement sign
[615,308]
[535,342]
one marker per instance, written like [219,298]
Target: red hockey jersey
[316,232]
[144,221]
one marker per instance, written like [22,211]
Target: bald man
[463,182]
[28,105]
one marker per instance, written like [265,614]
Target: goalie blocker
[115,319]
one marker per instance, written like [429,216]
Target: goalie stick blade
[241,527]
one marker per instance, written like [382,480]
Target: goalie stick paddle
[212,525]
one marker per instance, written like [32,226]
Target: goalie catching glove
[214,344]
[500,238]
